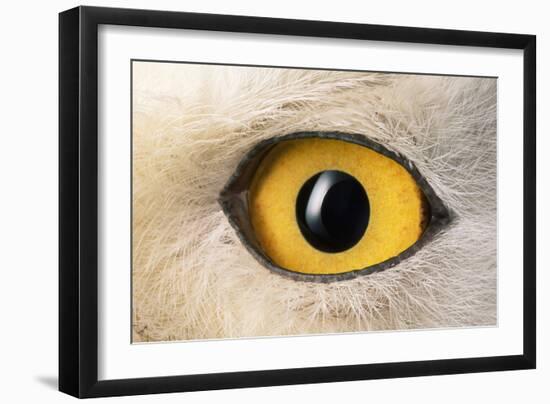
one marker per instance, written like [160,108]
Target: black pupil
[332,210]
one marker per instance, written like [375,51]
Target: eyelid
[234,202]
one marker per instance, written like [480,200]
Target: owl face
[397,156]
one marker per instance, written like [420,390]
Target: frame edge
[529,201]
[69,79]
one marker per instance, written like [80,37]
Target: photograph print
[271,201]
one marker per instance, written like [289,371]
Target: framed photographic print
[250,201]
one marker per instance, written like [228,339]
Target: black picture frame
[78,201]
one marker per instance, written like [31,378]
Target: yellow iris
[398,209]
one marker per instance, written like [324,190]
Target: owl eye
[327,206]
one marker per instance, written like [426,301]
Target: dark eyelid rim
[233,200]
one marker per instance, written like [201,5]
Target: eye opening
[233,199]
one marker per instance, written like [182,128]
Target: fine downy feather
[193,278]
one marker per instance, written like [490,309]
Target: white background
[28,225]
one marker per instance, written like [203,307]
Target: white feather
[192,277]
